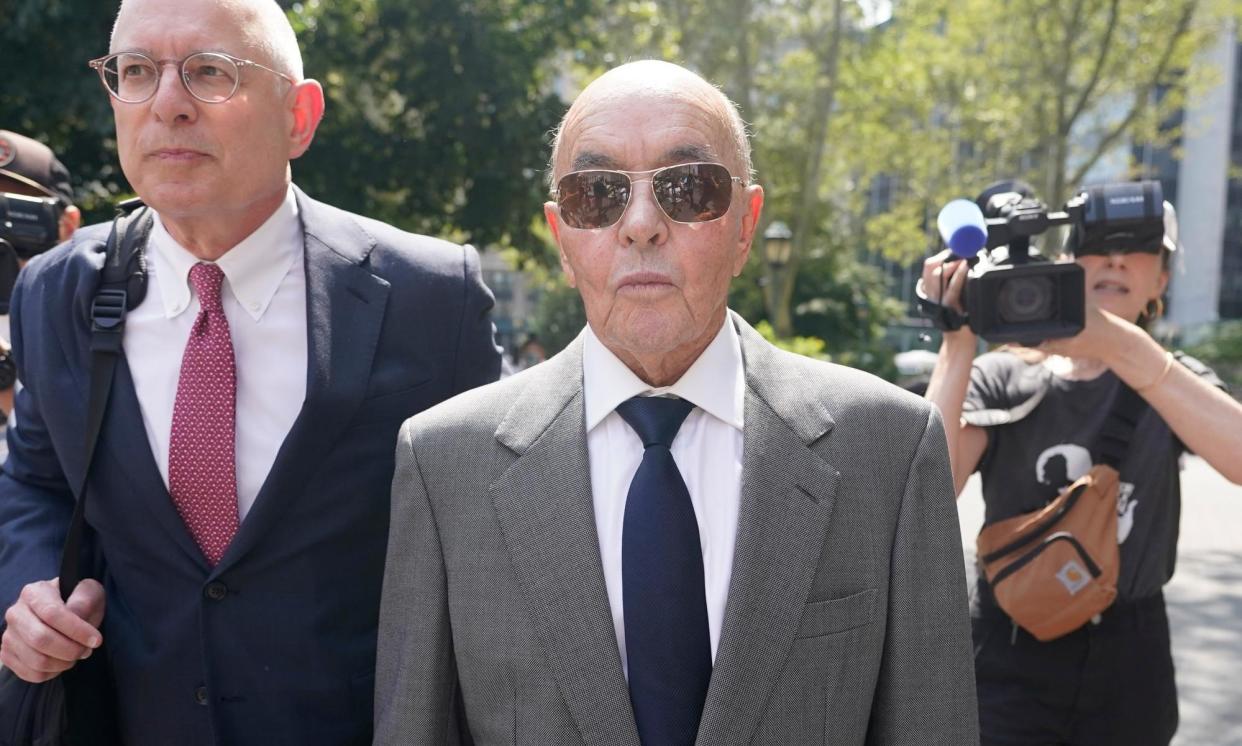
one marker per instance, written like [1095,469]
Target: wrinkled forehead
[181,27]
[636,129]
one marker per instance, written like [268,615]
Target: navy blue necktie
[666,637]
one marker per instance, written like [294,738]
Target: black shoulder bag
[39,714]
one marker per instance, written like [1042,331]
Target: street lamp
[777,244]
[777,251]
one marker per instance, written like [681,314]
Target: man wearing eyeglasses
[239,496]
[672,532]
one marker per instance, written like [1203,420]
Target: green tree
[953,94]
[1222,350]
[50,94]
[866,131]
[438,112]
[782,62]
[437,119]
[560,315]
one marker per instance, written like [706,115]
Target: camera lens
[1025,299]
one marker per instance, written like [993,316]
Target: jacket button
[216,591]
[200,695]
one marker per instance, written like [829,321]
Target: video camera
[28,226]
[1013,294]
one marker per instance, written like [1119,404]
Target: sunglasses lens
[593,199]
[695,192]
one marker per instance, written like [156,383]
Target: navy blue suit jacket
[276,644]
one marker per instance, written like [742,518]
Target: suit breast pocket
[833,615]
[395,406]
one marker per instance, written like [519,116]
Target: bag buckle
[108,320]
[108,309]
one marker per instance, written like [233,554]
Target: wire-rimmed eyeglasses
[210,77]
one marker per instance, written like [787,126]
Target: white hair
[264,27]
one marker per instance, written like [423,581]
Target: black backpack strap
[122,287]
[1114,438]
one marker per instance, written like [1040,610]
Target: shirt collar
[714,382]
[254,268]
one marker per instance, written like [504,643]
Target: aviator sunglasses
[687,193]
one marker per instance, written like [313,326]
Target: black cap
[34,164]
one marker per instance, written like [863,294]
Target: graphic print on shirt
[1065,463]
[1125,510]
[1061,465]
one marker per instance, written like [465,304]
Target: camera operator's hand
[47,636]
[6,393]
[944,278]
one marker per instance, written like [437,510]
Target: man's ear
[753,202]
[307,112]
[551,212]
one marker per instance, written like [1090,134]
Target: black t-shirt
[1032,455]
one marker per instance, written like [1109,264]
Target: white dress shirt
[264,298]
[708,452]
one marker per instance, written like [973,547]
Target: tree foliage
[952,95]
[48,92]
[437,119]
[560,315]
[438,112]
[863,131]
[1223,352]
[782,62]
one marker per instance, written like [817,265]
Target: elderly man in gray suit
[672,532]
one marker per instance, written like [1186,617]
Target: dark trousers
[1106,683]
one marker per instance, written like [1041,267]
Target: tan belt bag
[1055,569]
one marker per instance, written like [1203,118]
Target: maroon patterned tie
[202,473]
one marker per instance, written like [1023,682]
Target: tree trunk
[782,280]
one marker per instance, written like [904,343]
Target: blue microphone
[963,228]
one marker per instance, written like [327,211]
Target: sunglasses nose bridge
[655,200]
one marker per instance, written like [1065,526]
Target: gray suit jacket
[846,621]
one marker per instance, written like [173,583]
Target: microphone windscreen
[963,228]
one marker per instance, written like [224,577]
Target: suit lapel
[544,505]
[125,436]
[345,309]
[787,498]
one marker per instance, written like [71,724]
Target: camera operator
[1110,681]
[28,168]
